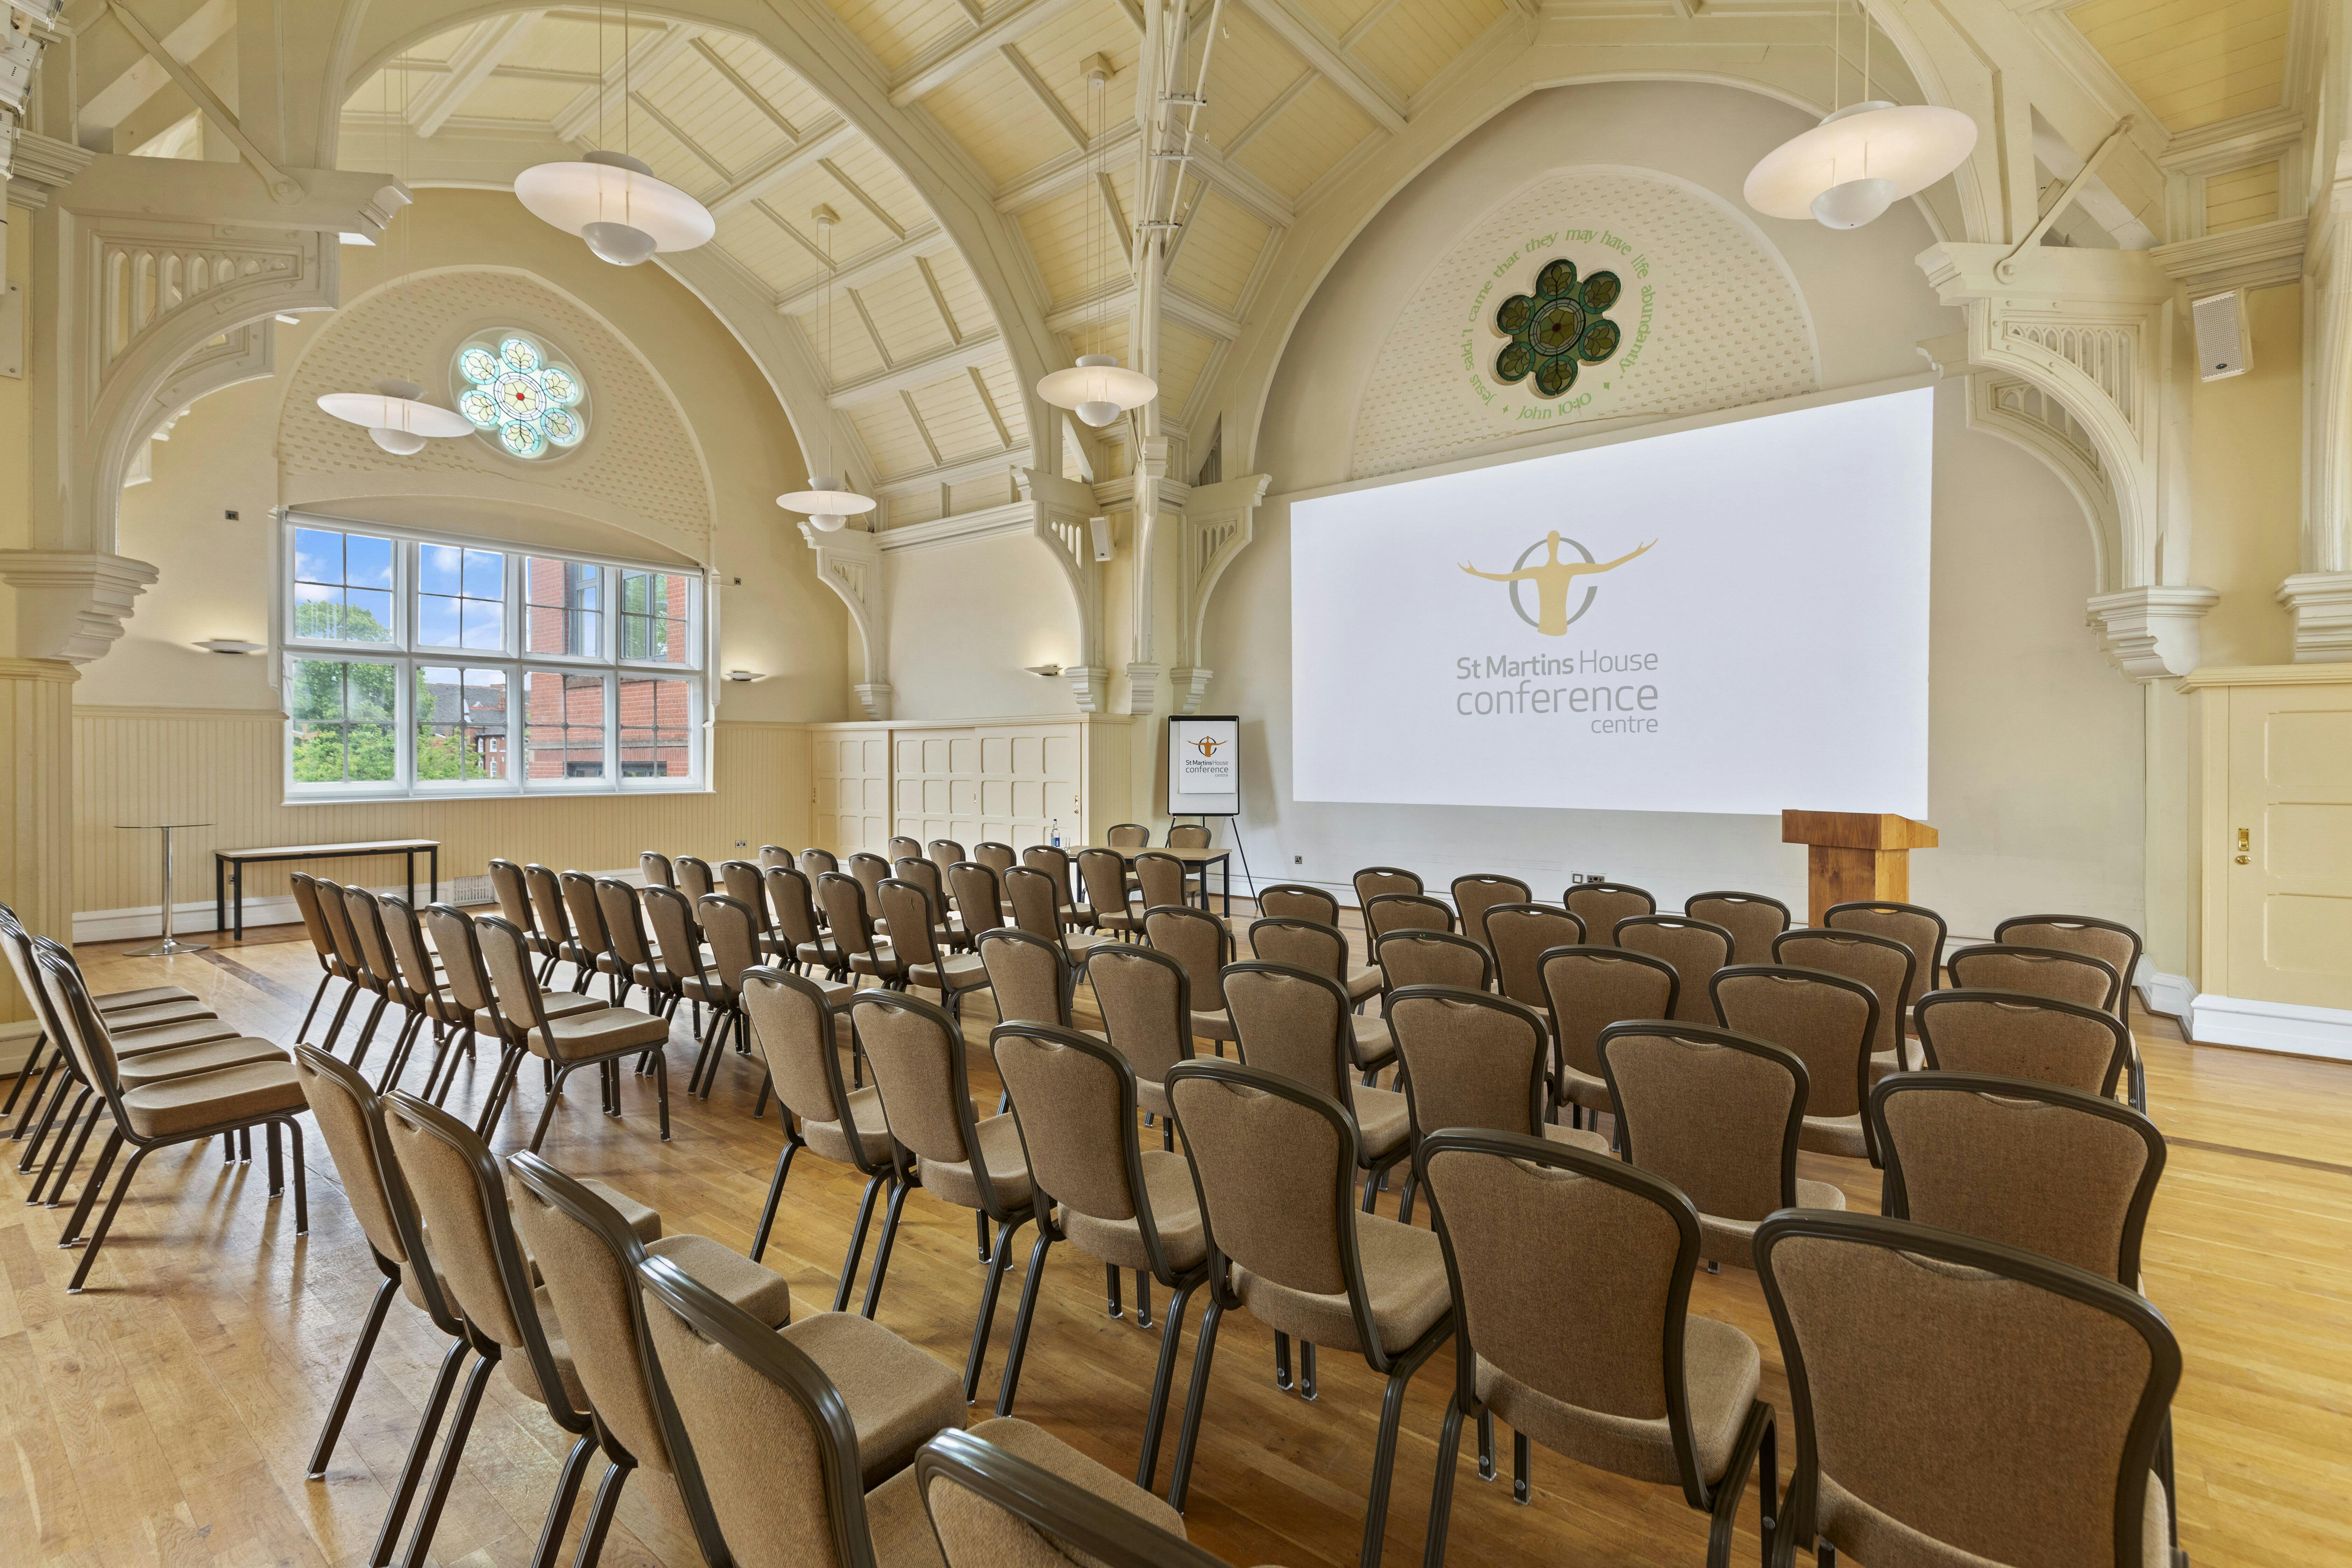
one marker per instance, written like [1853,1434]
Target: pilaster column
[36,850]
[2320,595]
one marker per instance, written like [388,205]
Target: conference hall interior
[983,783]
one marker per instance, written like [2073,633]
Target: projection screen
[1730,618]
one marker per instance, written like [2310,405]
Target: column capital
[2321,602]
[2150,634]
[71,604]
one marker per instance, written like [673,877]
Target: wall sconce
[230,645]
[1048,670]
[744,677]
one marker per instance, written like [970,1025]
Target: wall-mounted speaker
[2224,347]
[1098,529]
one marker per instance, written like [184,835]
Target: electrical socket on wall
[1577,877]
[1298,859]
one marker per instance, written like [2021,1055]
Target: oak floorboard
[165,1416]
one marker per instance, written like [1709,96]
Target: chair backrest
[869,868]
[1291,1021]
[314,923]
[992,1509]
[405,934]
[995,854]
[815,862]
[1915,927]
[1473,894]
[1601,904]
[843,900]
[670,914]
[1297,901]
[1471,1059]
[1571,1274]
[1275,1164]
[776,855]
[1434,958]
[1519,935]
[979,897]
[624,921]
[1715,1113]
[1146,1001]
[795,907]
[2117,945]
[771,1434]
[1127,836]
[1589,987]
[461,1198]
[1074,1101]
[1694,947]
[337,914]
[1189,836]
[657,869]
[512,890]
[70,1018]
[585,905]
[351,1121]
[1387,912]
[1752,918]
[1160,877]
[903,846]
[2013,1035]
[1302,944]
[927,876]
[916,1054]
[1196,939]
[547,906]
[741,881]
[1375,880]
[694,877]
[1035,897]
[1103,871]
[2030,1165]
[2052,972]
[908,908]
[520,1006]
[1921,1371]
[1825,1020]
[462,968]
[374,948]
[1055,863]
[1028,976]
[732,930]
[943,852]
[1881,963]
[794,1031]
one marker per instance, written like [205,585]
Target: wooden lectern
[1854,856]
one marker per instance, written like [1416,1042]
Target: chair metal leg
[546,1112]
[776,1191]
[81,1216]
[1441,1495]
[1205,1354]
[364,1347]
[982,1222]
[436,1494]
[32,1060]
[600,1514]
[67,1083]
[98,1237]
[1733,1487]
[559,1508]
[342,1010]
[1307,1369]
[1376,1509]
[1110,1291]
[1021,1320]
[501,1089]
[996,1281]
[1142,1299]
[882,1252]
[367,1030]
[661,1093]
[315,997]
[1282,1378]
[51,1188]
[420,1448]
[32,1105]
[1485,1444]
[1522,1483]
[856,1244]
[1170,1331]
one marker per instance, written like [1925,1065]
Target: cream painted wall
[2245,481]
[965,620]
[15,426]
[2035,773]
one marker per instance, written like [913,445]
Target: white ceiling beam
[1269,114]
[861,270]
[981,349]
[1186,309]
[752,95]
[1071,170]
[188,38]
[935,67]
[989,465]
[489,43]
[988,401]
[646,58]
[823,142]
[874,209]
[677,133]
[1373,19]
[921,430]
[1061,116]
[1322,52]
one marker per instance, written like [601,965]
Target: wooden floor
[165,1414]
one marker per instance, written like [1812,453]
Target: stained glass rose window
[1557,328]
[519,394]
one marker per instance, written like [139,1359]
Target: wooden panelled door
[2290,845]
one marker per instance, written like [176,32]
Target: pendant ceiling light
[829,503]
[396,415]
[1861,159]
[611,199]
[1098,389]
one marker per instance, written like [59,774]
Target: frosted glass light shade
[828,503]
[612,201]
[1864,157]
[1098,389]
[396,415]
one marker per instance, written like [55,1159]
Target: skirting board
[196,919]
[2283,1026]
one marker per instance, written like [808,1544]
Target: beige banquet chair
[2052,972]
[1880,963]
[1827,1022]
[913,914]
[1375,880]
[1917,928]
[1434,958]
[1752,918]
[1474,894]
[1587,989]
[1205,946]
[1030,978]
[990,1508]
[1295,1022]
[1387,912]
[2015,1035]
[1601,904]
[1145,999]
[1323,950]
[1695,949]
[1475,1060]
[1519,935]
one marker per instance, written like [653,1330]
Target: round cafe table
[168,945]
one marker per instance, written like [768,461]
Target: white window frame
[407,656]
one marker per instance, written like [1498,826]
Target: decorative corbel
[1218,523]
[849,562]
[1060,511]
[2150,634]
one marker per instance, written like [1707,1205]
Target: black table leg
[437,874]
[236,890]
[220,894]
[410,856]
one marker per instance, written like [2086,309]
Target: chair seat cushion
[1883,1063]
[1855,1527]
[1384,1119]
[1369,1041]
[151,1014]
[1723,1241]
[899,1394]
[826,1138]
[1720,1371]
[233,1094]
[763,1292]
[555,1004]
[169,1037]
[1834,1135]
[960,972]
[654,975]
[1175,1213]
[1404,1279]
[1575,1138]
[582,1037]
[162,1066]
[881,961]
[1217,1025]
[901,1525]
[824,954]
[1583,1088]
[1362,983]
[1008,1168]
[144,997]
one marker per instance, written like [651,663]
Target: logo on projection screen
[1206,745]
[1554,580]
